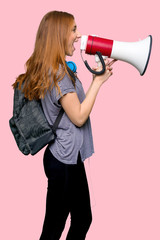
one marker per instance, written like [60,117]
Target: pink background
[124,172]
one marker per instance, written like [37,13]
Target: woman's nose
[78,34]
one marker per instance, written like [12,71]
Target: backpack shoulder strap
[58,119]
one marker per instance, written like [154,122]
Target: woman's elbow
[79,122]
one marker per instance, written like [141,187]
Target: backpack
[29,125]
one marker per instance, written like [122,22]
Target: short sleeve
[66,86]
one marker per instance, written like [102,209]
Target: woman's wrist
[97,82]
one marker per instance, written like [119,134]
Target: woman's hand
[108,72]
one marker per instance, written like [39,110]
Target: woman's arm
[79,112]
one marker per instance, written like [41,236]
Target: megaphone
[134,53]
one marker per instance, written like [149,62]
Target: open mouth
[75,41]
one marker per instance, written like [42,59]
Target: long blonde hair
[42,68]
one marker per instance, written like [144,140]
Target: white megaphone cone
[135,53]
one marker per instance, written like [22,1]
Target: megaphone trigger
[101,61]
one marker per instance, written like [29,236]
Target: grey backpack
[29,125]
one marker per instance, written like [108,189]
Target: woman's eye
[75,28]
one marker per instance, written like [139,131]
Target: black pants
[67,193]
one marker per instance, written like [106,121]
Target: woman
[47,78]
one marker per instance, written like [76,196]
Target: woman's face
[73,37]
